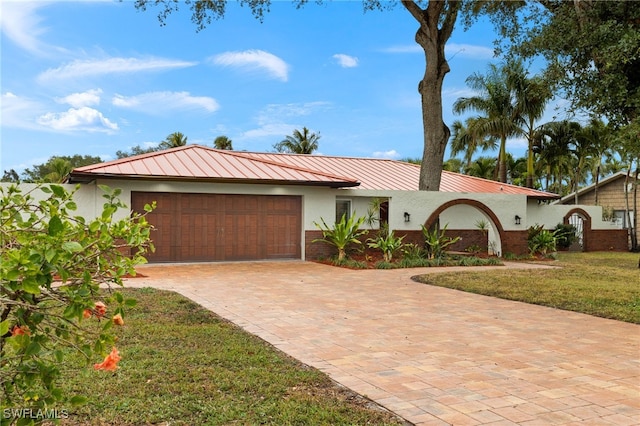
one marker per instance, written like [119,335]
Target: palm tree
[531,96]
[454,165]
[59,170]
[463,140]
[483,167]
[552,143]
[499,118]
[300,143]
[600,137]
[517,170]
[223,142]
[612,166]
[174,140]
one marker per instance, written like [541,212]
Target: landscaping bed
[373,259]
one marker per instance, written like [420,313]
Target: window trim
[349,205]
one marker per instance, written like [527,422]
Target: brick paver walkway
[432,355]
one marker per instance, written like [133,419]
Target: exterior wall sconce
[407,217]
[518,218]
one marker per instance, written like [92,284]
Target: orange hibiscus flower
[100,309]
[20,330]
[110,362]
[117,319]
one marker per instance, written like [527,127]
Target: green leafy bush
[344,232]
[542,242]
[52,265]
[436,242]
[383,264]
[413,252]
[565,235]
[387,242]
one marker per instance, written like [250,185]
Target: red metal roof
[195,162]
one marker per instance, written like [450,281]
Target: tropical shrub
[412,252]
[436,242]
[52,265]
[387,242]
[565,235]
[344,232]
[543,242]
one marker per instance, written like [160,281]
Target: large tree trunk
[634,227]
[432,39]
[502,161]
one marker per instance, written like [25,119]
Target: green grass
[603,284]
[183,365]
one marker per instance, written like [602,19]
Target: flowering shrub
[52,265]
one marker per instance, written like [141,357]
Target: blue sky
[95,77]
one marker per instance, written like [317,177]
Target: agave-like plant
[343,233]
[436,242]
[387,242]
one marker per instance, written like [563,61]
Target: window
[343,207]
[620,218]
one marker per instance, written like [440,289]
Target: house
[214,205]
[611,197]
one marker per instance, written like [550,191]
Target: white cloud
[20,22]
[279,130]
[78,119]
[346,61]
[277,112]
[19,112]
[275,120]
[158,102]
[77,100]
[469,51]
[97,67]
[253,60]
[455,93]
[390,155]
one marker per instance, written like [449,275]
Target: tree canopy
[223,142]
[301,142]
[592,49]
[54,170]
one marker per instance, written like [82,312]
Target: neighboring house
[215,205]
[612,199]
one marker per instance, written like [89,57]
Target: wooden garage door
[217,227]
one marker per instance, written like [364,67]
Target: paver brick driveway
[432,355]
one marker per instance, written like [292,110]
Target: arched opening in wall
[476,224]
[581,221]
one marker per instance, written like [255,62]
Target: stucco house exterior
[612,199]
[215,205]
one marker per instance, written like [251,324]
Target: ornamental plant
[387,242]
[58,274]
[344,232]
[436,242]
[543,242]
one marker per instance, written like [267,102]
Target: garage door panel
[282,237]
[210,227]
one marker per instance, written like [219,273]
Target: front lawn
[603,284]
[183,365]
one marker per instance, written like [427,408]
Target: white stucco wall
[319,202]
[550,215]
[88,198]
